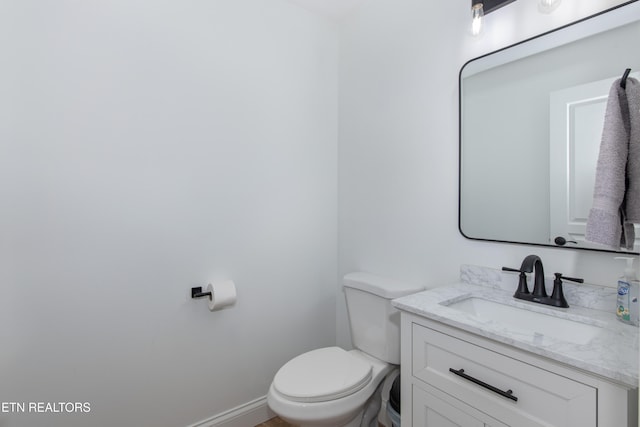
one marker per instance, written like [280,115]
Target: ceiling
[335,9]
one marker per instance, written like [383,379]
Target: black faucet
[533,263]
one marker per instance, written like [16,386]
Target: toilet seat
[322,375]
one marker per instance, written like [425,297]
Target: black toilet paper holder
[197,293]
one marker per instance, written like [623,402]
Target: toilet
[334,387]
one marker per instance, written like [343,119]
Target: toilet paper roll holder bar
[197,293]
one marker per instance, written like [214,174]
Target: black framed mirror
[531,118]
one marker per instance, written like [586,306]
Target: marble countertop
[612,353]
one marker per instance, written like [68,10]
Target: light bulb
[548,6]
[477,14]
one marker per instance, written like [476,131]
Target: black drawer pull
[508,394]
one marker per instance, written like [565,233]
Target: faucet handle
[557,298]
[523,289]
[571,279]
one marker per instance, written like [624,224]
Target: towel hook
[623,80]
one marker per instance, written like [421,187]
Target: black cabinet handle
[508,394]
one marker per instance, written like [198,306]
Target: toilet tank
[374,322]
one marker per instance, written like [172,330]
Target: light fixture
[548,6]
[481,7]
[477,14]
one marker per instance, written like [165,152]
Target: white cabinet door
[431,411]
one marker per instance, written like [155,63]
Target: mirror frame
[460,126]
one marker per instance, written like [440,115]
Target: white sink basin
[522,320]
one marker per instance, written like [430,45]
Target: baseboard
[247,415]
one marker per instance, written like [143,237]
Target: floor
[274,422]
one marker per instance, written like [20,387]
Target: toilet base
[354,422]
[352,419]
[367,416]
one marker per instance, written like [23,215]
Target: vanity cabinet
[454,378]
[430,410]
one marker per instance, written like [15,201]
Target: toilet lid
[321,375]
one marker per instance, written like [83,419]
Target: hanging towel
[633,162]
[616,196]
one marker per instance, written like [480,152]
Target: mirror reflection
[531,119]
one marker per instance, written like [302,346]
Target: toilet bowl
[344,382]
[334,387]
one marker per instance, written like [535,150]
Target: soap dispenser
[627,309]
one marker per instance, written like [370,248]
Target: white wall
[398,148]
[147,147]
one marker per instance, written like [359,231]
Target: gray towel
[632,208]
[616,196]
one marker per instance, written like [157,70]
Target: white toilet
[334,387]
